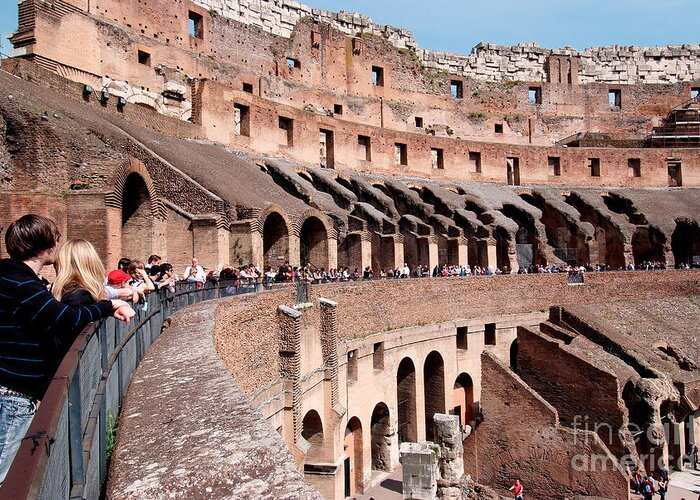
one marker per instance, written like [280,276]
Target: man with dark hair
[36,330]
[123,263]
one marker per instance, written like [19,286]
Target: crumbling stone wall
[524,62]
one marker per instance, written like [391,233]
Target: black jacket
[36,330]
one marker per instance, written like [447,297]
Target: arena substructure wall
[347,372]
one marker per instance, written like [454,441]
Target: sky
[458,25]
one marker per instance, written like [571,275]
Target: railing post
[75,431]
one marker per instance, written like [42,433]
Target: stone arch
[312,432]
[304,174]
[314,231]
[381,438]
[685,242]
[381,187]
[463,399]
[406,401]
[274,226]
[648,245]
[354,463]
[143,100]
[433,390]
[137,218]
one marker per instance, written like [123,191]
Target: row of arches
[313,241]
[388,427]
[136,196]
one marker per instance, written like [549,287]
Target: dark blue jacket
[36,330]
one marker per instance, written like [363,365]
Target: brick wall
[520,437]
[246,333]
[583,394]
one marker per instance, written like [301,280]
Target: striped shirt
[36,330]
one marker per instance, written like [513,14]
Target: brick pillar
[420,471]
[329,344]
[332,253]
[205,233]
[433,257]
[245,244]
[289,324]
[492,260]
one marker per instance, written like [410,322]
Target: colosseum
[266,132]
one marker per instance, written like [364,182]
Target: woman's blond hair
[79,266]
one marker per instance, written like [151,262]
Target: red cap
[117,276]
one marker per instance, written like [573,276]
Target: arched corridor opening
[353,462]
[685,242]
[312,432]
[313,243]
[648,245]
[275,241]
[433,390]
[463,400]
[381,438]
[514,356]
[137,219]
[406,401]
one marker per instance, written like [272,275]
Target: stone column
[420,471]
[448,436]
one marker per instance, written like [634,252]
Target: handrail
[64,453]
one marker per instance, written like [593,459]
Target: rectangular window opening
[144,58]
[462,339]
[694,92]
[615,99]
[248,87]
[338,109]
[419,122]
[352,365]
[365,145]
[327,148]
[437,159]
[534,95]
[377,76]
[594,166]
[456,89]
[196,25]
[675,177]
[401,154]
[293,63]
[498,128]
[554,163]
[286,126]
[378,356]
[490,334]
[475,160]
[241,118]
[634,166]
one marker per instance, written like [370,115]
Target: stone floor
[684,486]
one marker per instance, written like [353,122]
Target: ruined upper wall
[524,62]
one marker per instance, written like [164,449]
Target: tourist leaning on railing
[36,330]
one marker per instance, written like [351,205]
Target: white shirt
[198,276]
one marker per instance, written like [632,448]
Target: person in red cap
[119,285]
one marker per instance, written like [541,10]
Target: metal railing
[64,454]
